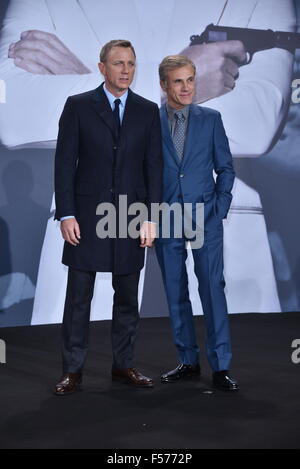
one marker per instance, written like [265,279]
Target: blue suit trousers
[208,266]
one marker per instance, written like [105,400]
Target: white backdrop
[254,115]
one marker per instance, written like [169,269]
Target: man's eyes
[131,64]
[189,79]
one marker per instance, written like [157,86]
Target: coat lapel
[129,123]
[102,107]
[128,117]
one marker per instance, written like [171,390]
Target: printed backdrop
[261,116]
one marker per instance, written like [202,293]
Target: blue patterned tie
[179,133]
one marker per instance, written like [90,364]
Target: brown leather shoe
[69,383]
[131,376]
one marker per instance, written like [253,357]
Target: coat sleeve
[153,162]
[66,157]
[223,167]
[34,102]
[255,110]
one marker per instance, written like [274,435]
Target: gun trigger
[249,57]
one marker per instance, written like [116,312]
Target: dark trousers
[80,289]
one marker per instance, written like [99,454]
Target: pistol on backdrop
[254,40]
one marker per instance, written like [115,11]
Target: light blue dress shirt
[111,98]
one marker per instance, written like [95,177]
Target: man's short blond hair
[114,43]
[171,62]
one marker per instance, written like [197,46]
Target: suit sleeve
[153,163]
[66,157]
[223,167]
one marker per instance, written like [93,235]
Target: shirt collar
[171,111]
[111,98]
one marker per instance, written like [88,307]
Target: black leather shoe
[181,372]
[222,381]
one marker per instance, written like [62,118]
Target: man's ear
[163,84]
[101,67]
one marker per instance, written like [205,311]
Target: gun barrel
[287,40]
[253,39]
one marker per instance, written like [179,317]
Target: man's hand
[217,67]
[148,234]
[43,53]
[70,231]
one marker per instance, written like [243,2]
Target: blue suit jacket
[191,180]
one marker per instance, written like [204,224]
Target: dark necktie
[116,113]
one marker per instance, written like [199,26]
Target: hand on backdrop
[43,53]
[217,67]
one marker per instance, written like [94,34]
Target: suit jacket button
[181,175]
[115,148]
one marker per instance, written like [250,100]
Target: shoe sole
[78,388]
[129,383]
[225,389]
[186,378]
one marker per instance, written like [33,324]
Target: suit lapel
[102,107]
[196,119]
[166,134]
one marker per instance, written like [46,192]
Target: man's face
[180,86]
[118,70]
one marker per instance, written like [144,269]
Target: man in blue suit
[195,145]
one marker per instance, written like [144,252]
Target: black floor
[265,414]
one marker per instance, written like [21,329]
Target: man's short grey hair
[115,43]
[171,62]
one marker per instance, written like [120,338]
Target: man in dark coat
[109,144]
